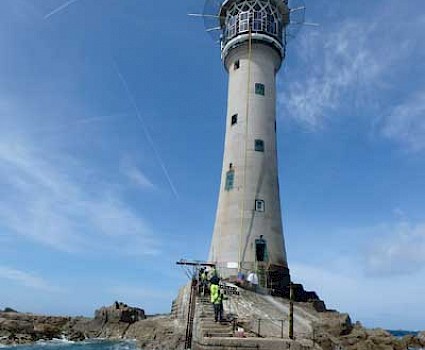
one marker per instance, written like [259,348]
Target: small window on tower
[234,119]
[259,145]
[230,178]
[259,89]
[236,65]
[260,205]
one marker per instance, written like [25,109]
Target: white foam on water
[55,342]
[125,345]
[105,344]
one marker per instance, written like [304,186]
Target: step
[211,322]
[216,329]
[216,325]
[218,335]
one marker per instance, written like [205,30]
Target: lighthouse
[248,234]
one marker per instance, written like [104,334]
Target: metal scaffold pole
[291,311]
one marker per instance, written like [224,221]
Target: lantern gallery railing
[258,16]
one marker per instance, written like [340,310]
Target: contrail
[60,8]
[96,119]
[80,121]
[145,130]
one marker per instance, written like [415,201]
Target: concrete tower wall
[238,224]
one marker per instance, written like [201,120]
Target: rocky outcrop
[161,332]
[119,312]
[20,328]
[334,323]
[8,309]
[109,322]
[360,338]
[115,320]
[414,342]
[118,321]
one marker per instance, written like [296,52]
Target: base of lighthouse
[274,278]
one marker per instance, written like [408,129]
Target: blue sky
[111,137]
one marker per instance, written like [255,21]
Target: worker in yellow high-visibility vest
[217,301]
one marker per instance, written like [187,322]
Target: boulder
[414,342]
[318,305]
[9,309]
[335,324]
[119,312]
[370,339]
[161,332]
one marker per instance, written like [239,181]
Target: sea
[62,344]
[401,334]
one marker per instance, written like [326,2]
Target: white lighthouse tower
[248,234]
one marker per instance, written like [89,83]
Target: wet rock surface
[159,332]
[20,328]
[118,321]
[360,338]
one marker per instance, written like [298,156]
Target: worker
[253,281]
[214,272]
[203,281]
[217,301]
[214,278]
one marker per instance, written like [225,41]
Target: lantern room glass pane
[243,21]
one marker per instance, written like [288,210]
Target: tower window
[236,65]
[259,89]
[259,145]
[260,206]
[230,179]
[234,119]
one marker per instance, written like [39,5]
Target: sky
[112,117]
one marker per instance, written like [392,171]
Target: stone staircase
[208,327]
[211,335]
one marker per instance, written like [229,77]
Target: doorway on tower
[261,261]
[261,249]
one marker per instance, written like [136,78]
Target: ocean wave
[125,345]
[55,342]
[63,343]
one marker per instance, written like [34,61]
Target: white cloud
[135,175]
[406,122]
[354,68]
[375,274]
[374,302]
[51,199]
[396,249]
[338,62]
[26,279]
